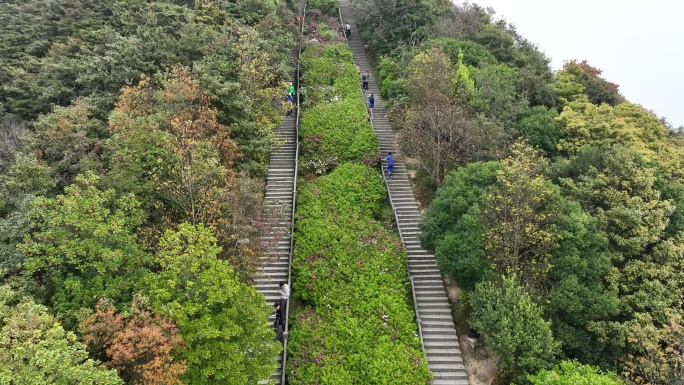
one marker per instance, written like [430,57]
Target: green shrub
[462,189]
[334,127]
[359,327]
[574,373]
[329,74]
[321,358]
[338,130]
[350,187]
[328,7]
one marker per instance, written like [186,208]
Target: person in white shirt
[285,290]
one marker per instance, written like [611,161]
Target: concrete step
[433,308]
[441,381]
[442,354]
[449,370]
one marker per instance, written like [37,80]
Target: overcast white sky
[638,44]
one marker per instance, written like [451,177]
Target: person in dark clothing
[279,323]
[364,81]
[289,99]
[390,164]
[347,31]
[371,104]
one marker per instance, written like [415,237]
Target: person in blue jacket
[390,164]
[371,104]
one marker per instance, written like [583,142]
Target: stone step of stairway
[441,381]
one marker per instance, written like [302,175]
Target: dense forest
[134,145]
[555,204]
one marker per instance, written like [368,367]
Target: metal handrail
[419,320]
[396,219]
[294,203]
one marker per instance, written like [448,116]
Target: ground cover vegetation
[134,141]
[356,323]
[554,203]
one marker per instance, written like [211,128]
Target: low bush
[338,130]
[329,74]
[358,327]
[326,6]
[334,128]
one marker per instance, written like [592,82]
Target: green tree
[260,89]
[495,94]
[26,178]
[69,141]
[566,89]
[674,192]
[394,24]
[84,244]
[464,85]
[36,350]
[519,219]
[13,229]
[539,125]
[577,291]
[574,373]
[498,41]
[583,124]
[460,253]
[534,77]
[223,321]
[474,54]
[614,186]
[452,227]
[514,328]
[597,89]
[462,189]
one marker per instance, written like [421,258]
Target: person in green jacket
[291,90]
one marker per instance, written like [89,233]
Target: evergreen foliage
[38,351]
[223,321]
[134,143]
[120,120]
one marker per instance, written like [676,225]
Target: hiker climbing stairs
[274,267]
[440,340]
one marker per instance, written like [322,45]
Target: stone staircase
[440,340]
[274,267]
